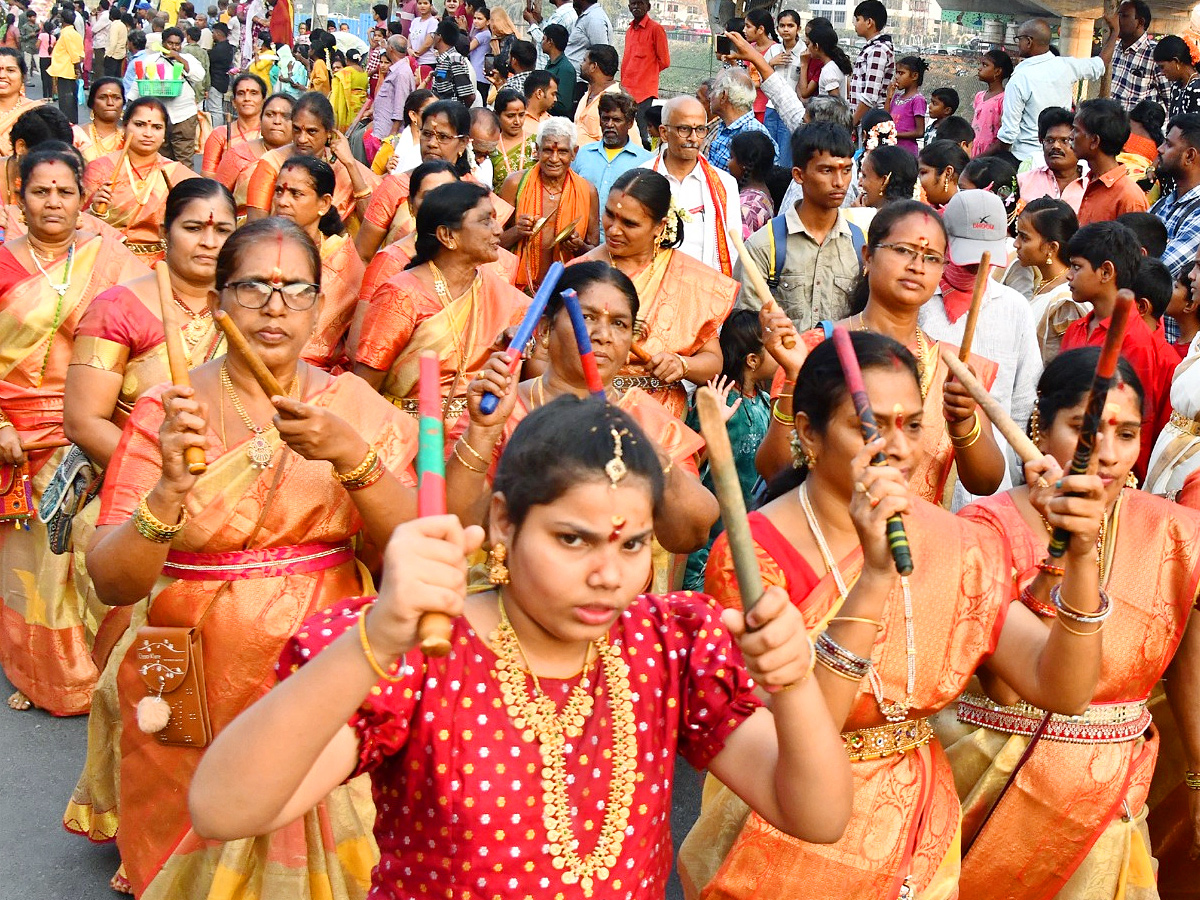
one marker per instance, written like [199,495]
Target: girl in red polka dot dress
[536,760]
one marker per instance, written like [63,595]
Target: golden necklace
[259,450]
[924,370]
[538,719]
[537,392]
[1046,285]
[198,322]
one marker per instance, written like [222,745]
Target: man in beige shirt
[118,45]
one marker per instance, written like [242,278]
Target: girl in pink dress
[995,67]
[504,768]
[906,104]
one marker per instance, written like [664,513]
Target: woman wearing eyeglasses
[243,554]
[313,134]
[905,255]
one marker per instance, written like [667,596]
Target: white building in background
[912,20]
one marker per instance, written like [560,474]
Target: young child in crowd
[905,102]
[943,103]
[958,130]
[1184,308]
[995,67]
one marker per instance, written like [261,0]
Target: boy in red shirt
[1105,257]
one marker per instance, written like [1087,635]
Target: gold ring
[1042,482]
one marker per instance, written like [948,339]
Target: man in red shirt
[1099,134]
[1105,257]
[646,55]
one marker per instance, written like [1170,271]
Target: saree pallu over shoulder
[574,207]
[138,212]
[1071,825]
[297,546]
[683,303]
[341,277]
[9,119]
[904,823]
[260,186]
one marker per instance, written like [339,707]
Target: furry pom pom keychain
[153,714]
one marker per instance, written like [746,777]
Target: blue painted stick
[583,341]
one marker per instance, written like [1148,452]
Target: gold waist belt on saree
[146,249]
[1184,424]
[886,740]
[453,410]
[1101,723]
[647,383]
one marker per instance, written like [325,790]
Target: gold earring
[802,457]
[1131,481]
[1035,433]
[546,340]
[497,572]
[1049,257]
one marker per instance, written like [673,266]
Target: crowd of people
[231,580]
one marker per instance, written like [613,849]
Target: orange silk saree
[286,553]
[905,818]
[1072,825]
[341,278]
[44,643]
[260,186]
[139,199]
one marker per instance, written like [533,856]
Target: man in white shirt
[1042,80]
[592,27]
[181,139]
[206,38]
[564,14]
[1005,332]
[100,25]
[707,194]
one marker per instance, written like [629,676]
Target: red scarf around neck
[957,284]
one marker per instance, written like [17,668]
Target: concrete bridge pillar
[1075,35]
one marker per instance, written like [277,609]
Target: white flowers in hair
[675,214]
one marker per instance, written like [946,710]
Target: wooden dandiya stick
[640,355]
[583,341]
[533,315]
[34,446]
[1017,439]
[434,629]
[750,267]
[729,495]
[1106,368]
[981,279]
[101,209]
[176,356]
[896,535]
[238,342]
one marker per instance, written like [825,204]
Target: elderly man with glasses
[1041,80]
[707,194]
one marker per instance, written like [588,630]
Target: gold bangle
[968,439]
[4,423]
[366,648]
[1071,630]
[358,471]
[785,420]
[1192,780]
[363,194]
[475,453]
[465,462]
[154,529]
[878,625]
[683,362]
[373,475]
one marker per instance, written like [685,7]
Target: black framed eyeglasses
[296,295]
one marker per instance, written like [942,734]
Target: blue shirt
[1181,215]
[718,150]
[593,164]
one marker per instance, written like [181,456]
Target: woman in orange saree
[892,650]
[106,100]
[394,258]
[313,135]
[610,304]
[304,194]
[119,355]
[249,94]
[1072,825]
[448,300]
[683,301]
[13,101]
[47,279]
[264,538]
[128,189]
[238,164]
[896,283]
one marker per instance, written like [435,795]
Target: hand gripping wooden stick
[981,279]
[238,342]
[729,495]
[101,209]
[176,356]
[1017,439]
[756,278]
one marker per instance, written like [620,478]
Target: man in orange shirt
[646,56]
[1099,133]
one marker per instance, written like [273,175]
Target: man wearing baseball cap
[976,222]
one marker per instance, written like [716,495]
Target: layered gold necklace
[538,719]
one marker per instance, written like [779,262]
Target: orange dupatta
[341,277]
[575,206]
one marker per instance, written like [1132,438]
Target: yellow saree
[261,552]
[1072,825]
[44,645]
